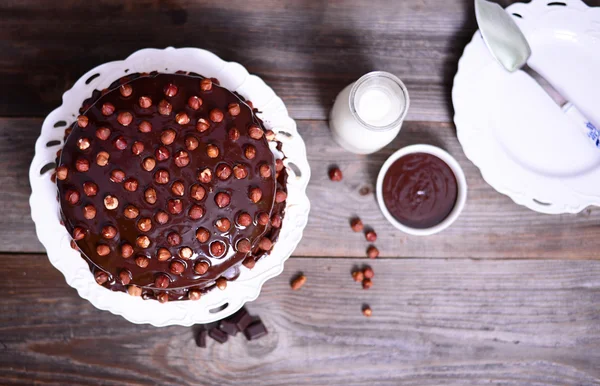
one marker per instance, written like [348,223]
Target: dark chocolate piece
[218,335]
[241,319]
[229,327]
[256,330]
[201,338]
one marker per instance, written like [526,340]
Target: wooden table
[505,296]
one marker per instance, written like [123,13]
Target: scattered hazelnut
[126,250]
[222,199]
[265,244]
[201,267]
[102,158]
[62,172]
[102,133]
[89,212]
[144,224]
[262,218]
[280,196]
[176,267]
[191,143]
[223,225]
[174,206]
[255,195]
[164,107]
[143,241]
[83,143]
[212,151]
[72,197]
[161,217]
[372,252]
[205,176]
[202,125]
[142,261]
[216,115]
[234,134]
[102,250]
[194,294]
[145,127]
[186,253]
[137,148]
[90,189]
[170,90]
[250,152]
[148,164]
[117,176]
[217,248]
[162,153]
[367,311]
[249,262]
[335,174]
[109,232]
[371,236]
[202,234]
[168,136]
[367,283]
[206,84]
[161,177]
[108,109]
[197,192]
[178,188]
[120,143]
[244,219]
[255,132]
[265,171]
[163,254]
[134,290]
[234,109]
[270,135]
[240,172]
[82,165]
[131,212]
[357,225]
[223,172]
[276,221]
[126,90]
[125,277]
[244,246]
[150,195]
[181,158]
[196,212]
[82,121]
[358,276]
[221,283]
[125,118]
[298,282]
[101,277]
[194,102]
[131,184]
[111,202]
[368,272]
[161,281]
[145,102]
[174,238]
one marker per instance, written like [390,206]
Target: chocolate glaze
[419,190]
[231,153]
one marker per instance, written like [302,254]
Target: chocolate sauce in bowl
[419,190]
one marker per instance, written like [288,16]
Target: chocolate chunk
[218,335]
[241,319]
[228,327]
[201,338]
[256,330]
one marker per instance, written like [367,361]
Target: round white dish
[461,199]
[45,208]
[524,144]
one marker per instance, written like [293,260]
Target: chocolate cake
[168,184]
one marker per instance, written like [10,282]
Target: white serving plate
[524,144]
[56,240]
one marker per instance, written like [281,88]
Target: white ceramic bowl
[460,179]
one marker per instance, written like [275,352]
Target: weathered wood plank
[492,226]
[452,322]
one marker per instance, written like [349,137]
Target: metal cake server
[507,44]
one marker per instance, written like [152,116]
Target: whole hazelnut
[62,172]
[196,212]
[126,90]
[164,107]
[174,238]
[367,311]
[131,184]
[194,294]
[163,254]
[197,192]
[83,143]
[101,277]
[191,143]
[255,132]
[181,158]
[82,165]
[276,221]
[234,109]
[371,236]
[205,176]
[240,172]
[90,189]
[243,246]
[72,197]
[221,283]
[111,202]
[222,199]
[109,232]
[102,158]
[265,171]
[255,195]
[126,251]
[202,125]
[124,118]
[142,261]
[131,212]
[137,148]
[117,176]
[234,134]
[170,90]
[143,241]
[178,188]
[194,102]
[244,219]
[335,174]
[201,267]
[223,224]
[145,102]
[186,253]
[212,151]
[78,233]
[280,196]
[168,136]
[108,109]
[358,276]
[298,282]
[217,248]
[82,121]
[148,164]
[145,127]
[265,244]
[270,135]
[206,84]
[368,272]
[279,165]
[161,281]
[202,234]
[150,195]
[161,177]
[249,262]
[120,143]
[144,224]
[372,252]
[367,283]
[161,217]
[357,225]
[102,250]
[125,277]
[102,133]
[250,152]
[174,206]
[134,290]
[216,115]
[176,267]
[89,212]
[223,172]
[162,153]
[262,218]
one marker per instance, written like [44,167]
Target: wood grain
[434,322]
[491,226]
